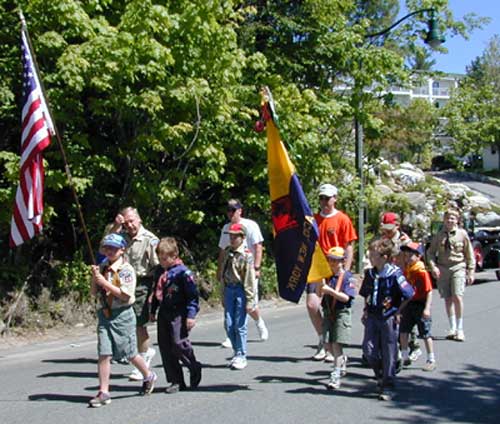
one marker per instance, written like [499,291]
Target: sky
[462,52]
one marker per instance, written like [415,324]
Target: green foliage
[155,103]
[73,277]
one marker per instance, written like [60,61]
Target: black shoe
[195,377]
[148,384]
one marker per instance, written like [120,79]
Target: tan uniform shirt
[141,252]
[451,250]
[237,268]
[121,274]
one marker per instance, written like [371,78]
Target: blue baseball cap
[115,240]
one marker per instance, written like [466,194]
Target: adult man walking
[451,260]
[141,254]
[254,241]
[335,229]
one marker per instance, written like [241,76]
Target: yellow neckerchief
[413,269]
[115,280]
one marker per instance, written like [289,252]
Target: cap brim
[335,257]
[387,226]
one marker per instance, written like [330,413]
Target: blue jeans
[235,317]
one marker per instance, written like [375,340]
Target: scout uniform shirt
[141,252]
[452,250]
[122,275]
[385,290]
[237,266]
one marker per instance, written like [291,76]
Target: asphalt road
[52,382]
[491,191]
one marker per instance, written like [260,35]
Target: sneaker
[227,343]
[320,353]
[415,354]
[407,362]
[399,365]
[239,363]
[451,335]
[460,336]
[386,394]
[329,357]
[195,376]
[262,329]
[429,366]
[135,375]
[343,366]
[173,388]
[148,384]
[334,382]
[101,399]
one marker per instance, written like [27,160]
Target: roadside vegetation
[156,103]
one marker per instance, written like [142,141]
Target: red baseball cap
[389,221]
[238,229]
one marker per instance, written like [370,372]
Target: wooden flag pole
[55,131]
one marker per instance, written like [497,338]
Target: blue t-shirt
[348,287]
[385,290]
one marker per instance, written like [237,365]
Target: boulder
[418,201]
[479,202]
[407,177]
[488,219]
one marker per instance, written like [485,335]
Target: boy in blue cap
[114,282]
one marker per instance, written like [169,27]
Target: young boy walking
[176,295]
[238,277]
[337,295]
[114,282]
[418,310]
[386,293]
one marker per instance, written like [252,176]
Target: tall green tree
[474,111]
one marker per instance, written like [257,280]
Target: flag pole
[55,131]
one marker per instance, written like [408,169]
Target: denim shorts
[412,315]
[116,335]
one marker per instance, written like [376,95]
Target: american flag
[37,128]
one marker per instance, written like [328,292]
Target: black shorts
[412,315]
[311,287]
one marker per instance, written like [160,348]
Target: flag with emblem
[298,256]
[37,129]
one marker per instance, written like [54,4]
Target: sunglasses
[232,209]
[325,197]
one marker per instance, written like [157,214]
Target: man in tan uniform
[141,254]
[451,261]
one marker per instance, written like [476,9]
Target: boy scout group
[142,279]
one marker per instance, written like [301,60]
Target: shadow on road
[269,358]
[71,361]
[470,396]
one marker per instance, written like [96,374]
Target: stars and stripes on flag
[37,127]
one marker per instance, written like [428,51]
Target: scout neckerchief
[163,280]
[112,277]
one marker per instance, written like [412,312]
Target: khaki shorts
[116,334]
[141,307]
[451,282]
[338,330]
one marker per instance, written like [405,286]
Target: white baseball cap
[327,190]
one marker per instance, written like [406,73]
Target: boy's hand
[95,273]
[190,323]
[152,318]
[435,272]
[426,313]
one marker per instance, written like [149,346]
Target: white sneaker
[320,354]
[239,363]
[334,382]
[135,375]
[227,343]
[262,329]
[329,357]
[415,354]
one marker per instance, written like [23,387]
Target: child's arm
[428,303]
[340,296]
[100,281]
[192,299]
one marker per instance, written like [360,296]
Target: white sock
[337,371]
[404,353]
[431,357]
[460,324]
[453,322]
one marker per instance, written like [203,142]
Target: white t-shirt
[253,237]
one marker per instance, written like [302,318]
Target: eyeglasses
[325,197]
